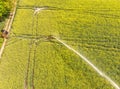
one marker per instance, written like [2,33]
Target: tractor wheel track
[28,67]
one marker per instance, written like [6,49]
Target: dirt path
[91,64]
[8,27]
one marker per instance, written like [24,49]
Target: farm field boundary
[8,27]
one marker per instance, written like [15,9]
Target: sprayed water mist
[91,64]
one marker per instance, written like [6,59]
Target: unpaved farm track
[8,27]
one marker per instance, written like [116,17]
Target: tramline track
[33,68]
[28,66]
[34,58]
[31,61]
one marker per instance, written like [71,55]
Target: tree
[5,6]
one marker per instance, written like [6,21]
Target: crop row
[53,66]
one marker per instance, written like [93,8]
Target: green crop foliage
[90,26]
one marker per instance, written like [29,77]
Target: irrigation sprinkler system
[90,63]
[50,37]
[34,39]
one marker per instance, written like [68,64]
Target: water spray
[90,63]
